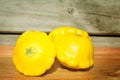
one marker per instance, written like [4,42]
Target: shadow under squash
[81,70]
[53,68]
[57,64]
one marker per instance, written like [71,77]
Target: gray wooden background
[97,17]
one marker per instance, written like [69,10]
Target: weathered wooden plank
[96,16]
[106,41]
[106,67]
[7,39]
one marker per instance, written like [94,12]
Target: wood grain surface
[100,18]
[106,67]
[96,16]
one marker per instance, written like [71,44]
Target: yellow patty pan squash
[75,52]
[74,47]
[34,53]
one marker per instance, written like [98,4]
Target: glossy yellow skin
[75,52]
[74,47]
[58,33]
[34,53]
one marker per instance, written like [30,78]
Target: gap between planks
[103,34]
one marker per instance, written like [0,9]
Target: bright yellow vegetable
[34,53]
[75,52]
[74,47]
